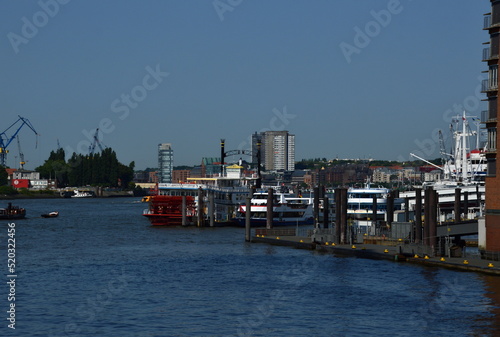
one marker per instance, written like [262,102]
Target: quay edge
[381,252]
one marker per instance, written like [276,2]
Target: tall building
[165,162]
[277,150]
[490,87]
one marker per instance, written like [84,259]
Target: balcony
[487,22]
[487,55]
[486,86]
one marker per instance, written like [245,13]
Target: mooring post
[433,199]
[407,209]
[390,208]
[200,207]
[183,210]
[270,208]
[337,215]
[418,215]
[325,212]
[427,215]
[211,208]
[316,207]
[374,212]
[456,207]
[247,218]
[343,202]
[466,205]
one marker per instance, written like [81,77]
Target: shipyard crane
[95,142]
[21,154]
[6,140]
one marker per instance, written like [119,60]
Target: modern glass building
[165,162]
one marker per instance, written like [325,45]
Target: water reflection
[490,326]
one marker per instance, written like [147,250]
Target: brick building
[490,88]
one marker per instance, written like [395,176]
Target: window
[495,39]
[492,139]
[493,77]
[492,107]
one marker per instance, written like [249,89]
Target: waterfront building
[210,167]
[277,150]
[165,162]
[180,176]
[490,88]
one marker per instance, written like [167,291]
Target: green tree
[3,176]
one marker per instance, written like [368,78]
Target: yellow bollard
[301,240]
[353,247]
[333,244]
[466,262]
[326,243]
[442,259]
[416,256]
[426,257]
[386,251]
[277,238]
[490,265]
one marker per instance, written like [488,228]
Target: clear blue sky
[192,72]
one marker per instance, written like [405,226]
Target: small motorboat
[50,215]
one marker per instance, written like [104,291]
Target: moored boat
[287,210]
[166,210]
[12,212]
[360,204]
[82,194]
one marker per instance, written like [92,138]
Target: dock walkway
[384,252]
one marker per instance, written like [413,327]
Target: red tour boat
[166,210]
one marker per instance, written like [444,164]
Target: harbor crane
[21,154]
[95,142]
[6,140]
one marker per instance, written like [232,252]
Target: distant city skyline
[350,79]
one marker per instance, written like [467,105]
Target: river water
[100,269]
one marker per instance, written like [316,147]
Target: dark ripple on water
[100,269]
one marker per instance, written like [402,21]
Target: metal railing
[486,54]
[486,86]
[487,22]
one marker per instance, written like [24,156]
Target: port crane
[21,154]
[95,142]
[6,140]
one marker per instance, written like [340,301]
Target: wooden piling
[427,215]
[433,201]
[456,207]
[337,215]
[407,209]
[325,212]
[466,206]
[211,209]
[183,210]
[270,210]
[247,218]
[200,207]
[418,215]
[390,208]
[343,214]
[316,206]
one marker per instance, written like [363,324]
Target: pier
[392,250]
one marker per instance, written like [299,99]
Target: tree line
[98,169]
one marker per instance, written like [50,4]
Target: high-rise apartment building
[277,150]
[490,87]
[165,162]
